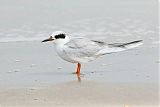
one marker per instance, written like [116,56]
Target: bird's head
[58,37]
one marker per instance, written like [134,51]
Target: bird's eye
[60,36]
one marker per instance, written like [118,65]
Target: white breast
[63,55]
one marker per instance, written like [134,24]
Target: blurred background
[27,20]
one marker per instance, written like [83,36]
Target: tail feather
[118,47]
[133,44]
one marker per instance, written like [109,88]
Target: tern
[82,50]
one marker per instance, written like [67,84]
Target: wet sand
[32,75]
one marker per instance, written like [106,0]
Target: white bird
[82,50]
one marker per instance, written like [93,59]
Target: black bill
[49,39]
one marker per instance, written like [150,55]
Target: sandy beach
[84,94]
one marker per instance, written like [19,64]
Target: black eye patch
[62,36]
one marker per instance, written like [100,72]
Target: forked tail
[117,47]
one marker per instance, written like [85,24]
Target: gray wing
[83,47]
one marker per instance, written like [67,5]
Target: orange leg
[78,71]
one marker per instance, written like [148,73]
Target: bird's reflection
[79,77]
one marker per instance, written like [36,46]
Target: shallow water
[37,64]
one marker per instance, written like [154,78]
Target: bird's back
[82,49]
